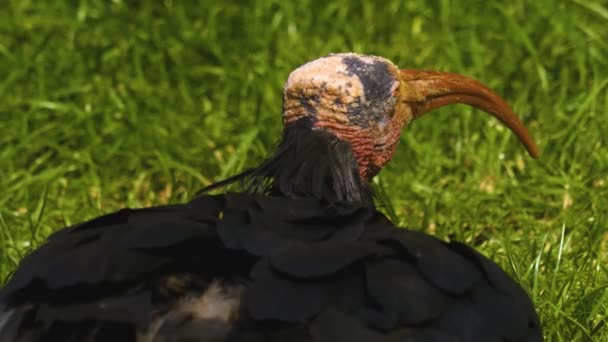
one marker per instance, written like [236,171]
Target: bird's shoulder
[380,282]
[212,231]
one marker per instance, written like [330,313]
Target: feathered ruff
[308,163]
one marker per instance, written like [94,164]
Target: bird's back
[244,267]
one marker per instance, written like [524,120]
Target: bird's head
[367,100]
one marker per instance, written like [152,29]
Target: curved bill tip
[429,90]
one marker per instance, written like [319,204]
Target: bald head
[342,88]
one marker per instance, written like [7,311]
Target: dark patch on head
[375,77]
[309,103]
[310,109]
[377,82]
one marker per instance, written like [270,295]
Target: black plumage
[311,268]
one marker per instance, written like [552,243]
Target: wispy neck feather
[308,163]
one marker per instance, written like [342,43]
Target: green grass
[106,104]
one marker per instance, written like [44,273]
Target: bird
[300,252]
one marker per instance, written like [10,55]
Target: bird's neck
[311,163]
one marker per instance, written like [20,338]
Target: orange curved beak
[424,91]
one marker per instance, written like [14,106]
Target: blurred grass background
[106,104]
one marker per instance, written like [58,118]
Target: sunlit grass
[108,104]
